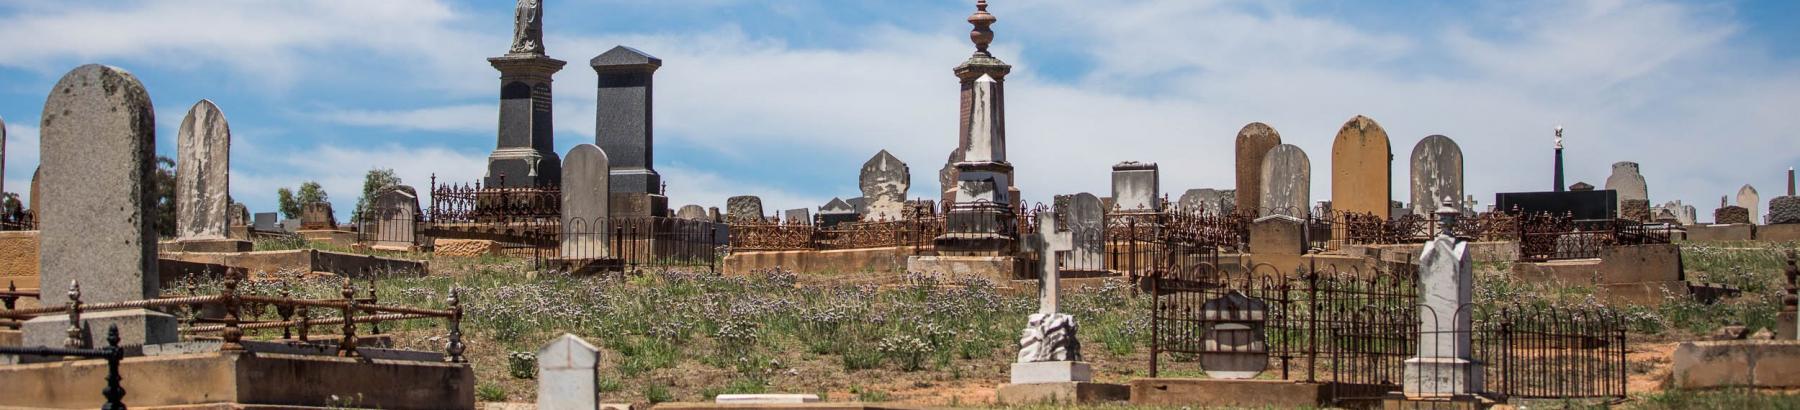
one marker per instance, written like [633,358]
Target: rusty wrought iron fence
[473,203]
[1544,237]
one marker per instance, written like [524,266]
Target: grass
[1717,399]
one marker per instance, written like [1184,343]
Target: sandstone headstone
[884,181]
[1287,182]
[568,374]
[98,147]
[1136,187]
[586,193]
[744,209]
[692,212]
[1747,198]
[1087,232]
[240,215]
[317,215]
[798,216]
[1253,144]
[714,214]
[1626,180]
[1437,173]
[1361,162]
[1784,210]
[396,211]
[202,173]
[1732,214]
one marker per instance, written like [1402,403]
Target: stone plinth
[227,380]
[1731,215]
[1737,363]
[138,325]
[878,260]
[998,268]
[1061,393]
[766,398]
[1711,233]
[638,204]
[1441,376]
[1784,210]
[1051,372]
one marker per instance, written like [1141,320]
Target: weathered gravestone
[586,193]
[1784,210]
[316,216]
[266,222]
[884,181]
[239,214]
[797,216]
[525,148]
[202,182]
[1049,350]
[568,374]
[744,209]
[1629,184]
[1235,345]
[1087,232]
[396,214]
[1361,168]
[1444,364]
[98,147]
[1748,199]
[1287,183]
[36,212]
[1253,144]
[1208,200]
[1136,187]
[1437,172]
[692,212]
[1731,214]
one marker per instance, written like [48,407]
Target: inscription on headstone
[1287,183]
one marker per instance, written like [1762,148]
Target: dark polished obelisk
[526,152]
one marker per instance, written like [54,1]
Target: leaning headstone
[797,216]
[1747,198]
[884,181]
[586,190]
[1444,365]
[1437,172]
[1286,184]
[1136,187]
[1253,144]
[1087,232]
[692,212]
[98,146]
[744,209]
[1628,182]
[568,374]
[1361,168]
[316,216]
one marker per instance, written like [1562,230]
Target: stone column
[526,152]
[98,147]
[1559,162]
[623,129]
[1444,365]
[585,209]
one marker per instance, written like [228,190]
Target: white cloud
[21,158]
[470,118]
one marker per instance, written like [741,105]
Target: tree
[163,186]
[284,199]
[376,180]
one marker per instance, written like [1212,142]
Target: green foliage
[290,202]
[489,392]
[522,365]
[373,182]
[162,183]
[284,200]
[869,395]
[657,393]
[1719,399]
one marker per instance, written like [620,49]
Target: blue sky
[786,98]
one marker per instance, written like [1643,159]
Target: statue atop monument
[528,28]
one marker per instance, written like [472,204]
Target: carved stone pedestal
[1441,377]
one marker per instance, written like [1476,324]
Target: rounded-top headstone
[202,173]
[1253,142]
[586,202]
[1287,183]
[1748,198]
[1627,182]
[1437,172]
[98,144]
[693,212]
[1361,164]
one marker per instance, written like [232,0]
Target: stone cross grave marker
[586,198]
[568,374]
[1049,350]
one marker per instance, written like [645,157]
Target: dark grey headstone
[884,181]
[266,221]
[586,201]
[744,209]
[622,123]
[202,174]
[1087,232]
[1136,187]
[525,154]
[798,216]
[1287,182]
[1437,173]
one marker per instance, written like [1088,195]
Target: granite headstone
[622,126]
[568,374]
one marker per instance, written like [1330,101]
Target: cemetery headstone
[1628,182]
[744,209]
[1635,209]
[623,128]
[240,215]
[1437,172]
[1050,351]
[1208,200]
[266,221]
[202,181]
[525,153]
[1087,232]
[1235,345]
[568,374]
[1136,187]
[837,211]
[586,194]
[1287,182]
[1253,144]
[35,173]
[1581,187]
[714,214]
[396,214]
[692,212]
[316,216]
[1748,199]
[1361,168]
[884,181]
[98,142]
[1731,214]
[797,216]
[1784,210]
[1444,364]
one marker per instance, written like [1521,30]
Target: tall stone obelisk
[526,153]
[982,219]
[968,73]
[622,128]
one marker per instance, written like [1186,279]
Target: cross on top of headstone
[1447,214]
[1050,241]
